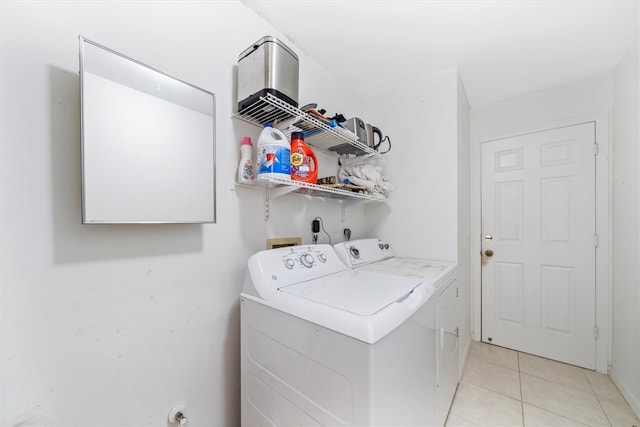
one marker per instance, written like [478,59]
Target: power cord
[316,224]
[315,228]
[386,138]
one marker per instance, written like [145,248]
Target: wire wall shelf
[321,135]
[302,187]
[276,187]
[317,133]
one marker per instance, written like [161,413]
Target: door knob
[488,253]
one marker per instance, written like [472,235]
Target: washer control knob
[289,263]
[322,257]
[354,252]
[380,245]
[307,260]
[386,246]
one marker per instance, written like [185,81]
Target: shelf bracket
[267,206]
[271,193]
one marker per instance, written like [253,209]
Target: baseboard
[627,393]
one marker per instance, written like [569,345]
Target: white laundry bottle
[246,172]
[273,154]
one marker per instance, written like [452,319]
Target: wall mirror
[148,143]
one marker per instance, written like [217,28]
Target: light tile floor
[501,387]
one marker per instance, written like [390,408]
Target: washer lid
[359,292]
[427,271]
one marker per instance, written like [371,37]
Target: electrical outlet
[347,233]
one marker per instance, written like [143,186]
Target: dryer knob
[354,252]
[322,257]
[289,263]
[307,260]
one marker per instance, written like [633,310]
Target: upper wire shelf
[317,133]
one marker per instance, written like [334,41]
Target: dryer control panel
[274,268]
[356,253]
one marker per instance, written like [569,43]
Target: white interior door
[538,226]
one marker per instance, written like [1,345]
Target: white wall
[625,363]
[575,99]
[588,100]
[114,324]
[428,215]
[421,119]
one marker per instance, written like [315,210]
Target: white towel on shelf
[368,176]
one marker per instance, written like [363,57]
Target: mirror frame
[170,94]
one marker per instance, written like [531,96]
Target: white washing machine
[325,345]
[375,255]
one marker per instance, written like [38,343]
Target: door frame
[603,226]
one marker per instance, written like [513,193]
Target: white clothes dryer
[325,345]
[376,255]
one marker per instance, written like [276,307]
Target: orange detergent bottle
[304,163]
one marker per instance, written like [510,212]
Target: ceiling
[502,49]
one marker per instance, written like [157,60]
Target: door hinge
[596,333]
[457,333]
[596,240]
[457,296]
[595,148]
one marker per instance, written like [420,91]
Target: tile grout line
[583,372]
[597,399]
[463,418]
[455,394]
[559,383]
[494,363]
[498,365]
[544,379]
[520,382]
[564,384]
[593,393]
[484,387]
